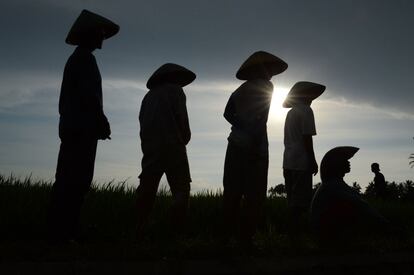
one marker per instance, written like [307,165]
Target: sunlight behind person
[277,112]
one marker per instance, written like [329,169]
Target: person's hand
[314,168]
[107,131]
[104,131]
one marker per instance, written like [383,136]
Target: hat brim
[261,64]
[171,73]
[89,23]
[303,91]
[341,153]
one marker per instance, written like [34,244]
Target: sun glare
[277,112]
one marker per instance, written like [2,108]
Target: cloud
[361,51]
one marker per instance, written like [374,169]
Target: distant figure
[338,212]
[82,123]
[165,132]
[299,161]
[247,160]
[380,187]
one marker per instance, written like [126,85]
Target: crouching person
[165,132]
[338,213]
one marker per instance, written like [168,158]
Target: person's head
[375,167]
[92,40]
[335,164]
[303,92]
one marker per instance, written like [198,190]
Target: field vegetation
[108,225]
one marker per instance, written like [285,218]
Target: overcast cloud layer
[361,50]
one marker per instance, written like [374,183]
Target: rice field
[108,225]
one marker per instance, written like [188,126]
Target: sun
[277,112]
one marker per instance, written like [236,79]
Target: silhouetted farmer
[299,161]
[338,212]
[247,159]
[82,122]
[380,187]
[165,131]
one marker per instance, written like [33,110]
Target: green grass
[108,223]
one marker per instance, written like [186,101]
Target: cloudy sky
[361,50]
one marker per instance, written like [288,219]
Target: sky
[361,50]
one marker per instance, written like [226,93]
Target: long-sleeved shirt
[80,102]
[247,110]
[163,117]
[335,200]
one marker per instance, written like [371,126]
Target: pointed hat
[171,73]
[303,89]
[335,157]
[261,63]
[89,22]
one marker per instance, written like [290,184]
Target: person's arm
[182,117]
[230,114]
[308,141]
[309,130]
[90,89]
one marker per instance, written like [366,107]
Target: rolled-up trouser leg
[180,193]
[145,197]
[178,176]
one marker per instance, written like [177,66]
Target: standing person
[299,161]
[165,132]
[82,123]
[380,185]
[247,159]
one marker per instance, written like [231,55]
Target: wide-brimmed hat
[88,23]
[336,157]
[261,64]
[303,90]
[171,73]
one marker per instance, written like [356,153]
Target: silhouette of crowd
[335,209]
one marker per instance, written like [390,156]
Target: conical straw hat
[89,22]
[335,158]
[261,64]
[171,73]
[303,90]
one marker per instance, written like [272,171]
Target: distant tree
[277,191]
[407,191]
[411,158]
[356,187]
[394,190]
[370,190]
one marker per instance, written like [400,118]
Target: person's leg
[232,191]
[82,185]
[299,187]
[145,198]
[152,171]
[178,176]
[74,175]
[254,196]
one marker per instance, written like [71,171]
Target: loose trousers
[245,187]
[171,160]
[74,174]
